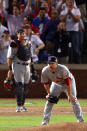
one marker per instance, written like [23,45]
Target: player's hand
[71,98]
[9,75]
[47,96]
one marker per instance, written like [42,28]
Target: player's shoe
[82,121]
[23,108]
[18,109]
[43,124]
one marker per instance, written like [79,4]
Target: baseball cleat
[23,108]
[18,109]
[43,124]
[82,121]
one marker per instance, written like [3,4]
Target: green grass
[65,102]
[15,122]
[39,102]
[29,102]
[7,123]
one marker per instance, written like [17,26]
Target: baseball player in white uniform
[62,81]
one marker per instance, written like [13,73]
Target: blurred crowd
[54,27]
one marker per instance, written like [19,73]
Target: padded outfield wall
[36,90]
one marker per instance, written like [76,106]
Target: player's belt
[22,63]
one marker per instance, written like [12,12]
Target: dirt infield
[58,127]
[10,111]
[39,111]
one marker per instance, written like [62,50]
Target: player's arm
[47,87]
[9,75]
[45,81]
[11,53]
[10,63]
[68,86]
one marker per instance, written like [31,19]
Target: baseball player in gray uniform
[62,81]
[19,58]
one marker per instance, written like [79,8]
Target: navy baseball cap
[20,31]
[52,59]
[6,31]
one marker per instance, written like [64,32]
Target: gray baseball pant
[56,90]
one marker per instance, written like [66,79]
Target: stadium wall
[36,90]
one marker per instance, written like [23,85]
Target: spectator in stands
[49,30]
[15,21]
[81,4]
[14,2]
[25,2]
[6,4]
[10,4]
[61,41]
[37,43]
[72,17]
[4,44]
[2,28]
[48,8]
[44,4]
[35,4]
[28,20]
[40,21]
[55,2]
[32,2]
[61,5]
[81,35]
[21,8]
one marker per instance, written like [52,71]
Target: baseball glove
[9,84]
[53,99]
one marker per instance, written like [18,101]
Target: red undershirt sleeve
[68,81]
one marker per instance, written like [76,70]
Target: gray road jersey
[12,53]
[57,77]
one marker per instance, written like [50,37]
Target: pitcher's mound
[59,127]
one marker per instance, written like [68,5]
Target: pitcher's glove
[9,84]
[53,99]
